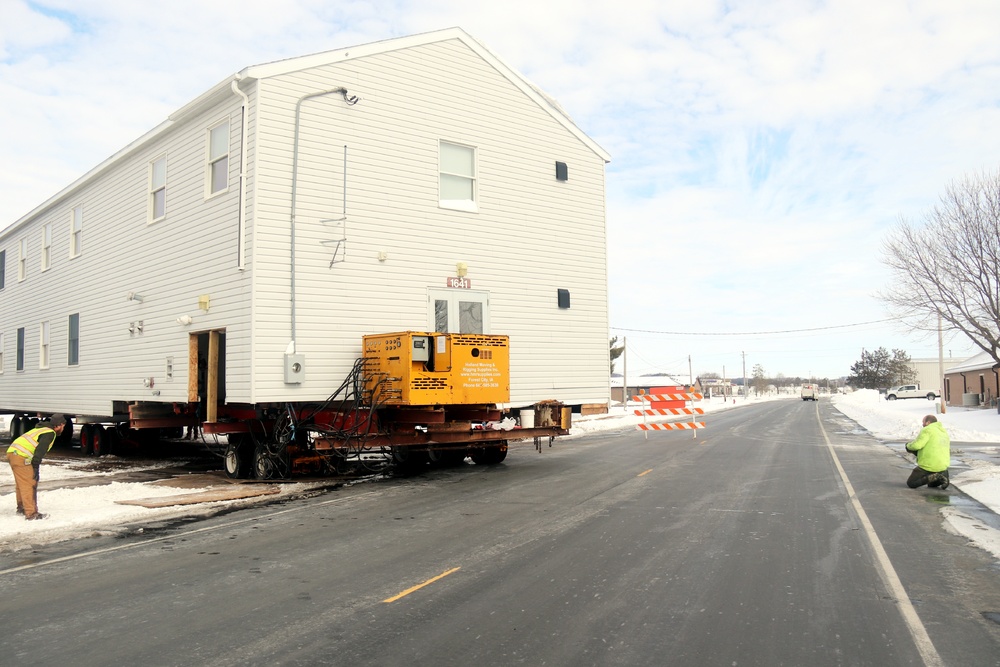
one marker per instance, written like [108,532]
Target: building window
[43,345]
[157,189]
[458,176]
[46,247]
[22,260]
[3,267]
[74,340]
[20,349]
[218,158]
[76,232]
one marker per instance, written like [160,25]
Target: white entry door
[459,311]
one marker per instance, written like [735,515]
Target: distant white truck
[810,392]
[909,391]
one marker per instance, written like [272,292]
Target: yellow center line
[419,586]
[644,472]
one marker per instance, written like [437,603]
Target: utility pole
[944,403]
[625,371]
[690,372]
[746,394]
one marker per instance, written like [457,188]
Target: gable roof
[977,362]
[298,63]
[230,86]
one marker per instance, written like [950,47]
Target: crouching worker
[25,457]
[933,450]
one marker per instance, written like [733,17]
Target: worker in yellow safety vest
[25,457]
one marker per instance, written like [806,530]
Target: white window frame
[444,175]
[46,258]
[157,188]
[212,159]
[22,260]
[43,345]
[454,298]
[72,345]
[76,231]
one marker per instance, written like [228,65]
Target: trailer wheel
[490,456]
[102,441]
[87,439]
[268,464]
[239,460]
[409,460]
[447,458]
[66,437]
[16,424]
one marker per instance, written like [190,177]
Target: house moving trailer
[396,248]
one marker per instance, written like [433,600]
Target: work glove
[27,462]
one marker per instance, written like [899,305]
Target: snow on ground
[95,509]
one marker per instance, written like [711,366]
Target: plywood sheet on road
[207,496]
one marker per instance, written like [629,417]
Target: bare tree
[949,266]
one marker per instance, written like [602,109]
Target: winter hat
[56,419]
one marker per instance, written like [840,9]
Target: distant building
[642,383]
[972,382]
[927,371]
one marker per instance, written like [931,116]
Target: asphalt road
[778,536]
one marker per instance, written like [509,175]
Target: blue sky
[760,150]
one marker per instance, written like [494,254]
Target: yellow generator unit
[416,368]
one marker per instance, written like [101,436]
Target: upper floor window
[73,359]
[218,158]
[46,247]
[157,189]
[3,267]
[20,349]
[43,345]
[458,176]
[76,231]
[22,260]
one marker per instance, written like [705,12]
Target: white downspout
[241,253]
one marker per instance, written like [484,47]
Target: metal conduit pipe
[295,182]
[240,253]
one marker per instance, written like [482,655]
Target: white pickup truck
[909,391]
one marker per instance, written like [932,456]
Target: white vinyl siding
[394,207]
[43,345]
[46,258]
[3,268]
[76,232]
[217,172]
[157,189]
[2,348]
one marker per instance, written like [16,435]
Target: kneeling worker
[933,450]
[25,457]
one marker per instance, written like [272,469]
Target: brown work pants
[26,484]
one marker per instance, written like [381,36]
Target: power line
[755,333]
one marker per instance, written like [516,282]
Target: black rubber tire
[87,439]
[447,458]
[102,441]
[239,459]
[269,466]
[65,438]
[16,428]
[490,456]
